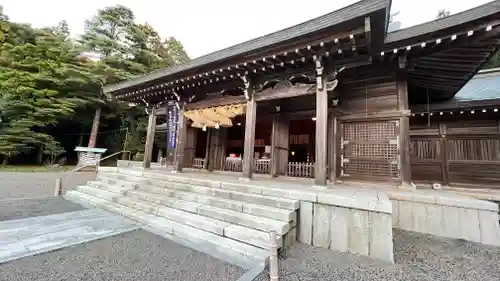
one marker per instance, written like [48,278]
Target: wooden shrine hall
[329,99]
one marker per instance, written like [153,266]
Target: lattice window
[370,149]
[372,131]
[371,169]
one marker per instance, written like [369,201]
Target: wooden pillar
[404,128]
[206,164]
[190,146]
[333,148]
[279,146]
[443,153]
[181,140]
[160,155]
[320,168]
[150,137]
[248,148]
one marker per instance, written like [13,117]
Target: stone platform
[236,215]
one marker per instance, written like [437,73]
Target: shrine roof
[473,14]
[483,90]
[353,11]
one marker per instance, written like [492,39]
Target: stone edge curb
[58,247]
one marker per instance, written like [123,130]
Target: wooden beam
[320,168]
[181,140]
[150,137]
[279,145]
[250,120]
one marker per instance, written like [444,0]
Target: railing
[59,181]
[262,166]
[233,165]
[198,163]
[300,169]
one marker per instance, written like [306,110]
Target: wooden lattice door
[370,150]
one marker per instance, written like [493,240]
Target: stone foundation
[335,223]
[446,214]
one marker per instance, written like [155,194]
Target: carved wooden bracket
[319,73]
[246,91]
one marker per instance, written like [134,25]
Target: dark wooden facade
[457,142]
[342,70]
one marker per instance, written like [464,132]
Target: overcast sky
[207,26]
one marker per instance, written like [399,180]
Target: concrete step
[233,205]
[239,218]
[114,180]
[223,228]
[202,238]
[274,202]
[96,192]
[208,188]
[111,188]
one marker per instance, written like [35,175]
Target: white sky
[207,26]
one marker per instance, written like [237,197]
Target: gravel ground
[38,184]
[25,208]
[136,255]
[418,257]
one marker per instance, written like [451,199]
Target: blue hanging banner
[172,121]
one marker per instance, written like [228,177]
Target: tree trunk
[39,156]
[95,128]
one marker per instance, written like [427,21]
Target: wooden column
[150,137]
[442,153]
[190,146]
[181,141]
[206,164]
[248,148]
[160,155]
[404,128]
[333,145]
[320,168]
[279,146]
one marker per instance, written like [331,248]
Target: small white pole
[58,189]
[273,257]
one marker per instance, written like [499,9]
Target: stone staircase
[233,221]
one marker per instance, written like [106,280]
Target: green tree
[442,14]
[126,49]
[4,25]
[42,81]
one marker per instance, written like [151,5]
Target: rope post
[58,189]
[273,257]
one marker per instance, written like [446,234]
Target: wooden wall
[369,129]
[376,97]
[456,152]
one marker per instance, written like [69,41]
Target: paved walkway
[38,184]
[30,236]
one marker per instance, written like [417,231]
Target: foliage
[442,14]
[48,80]
[494,61]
